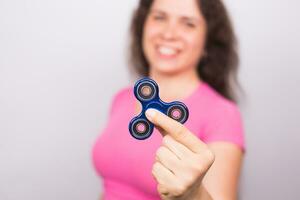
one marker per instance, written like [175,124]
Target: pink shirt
[125,163]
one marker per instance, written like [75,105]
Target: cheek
[150,32]
[195,45]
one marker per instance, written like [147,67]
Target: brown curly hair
[218,67]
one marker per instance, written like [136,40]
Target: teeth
[166,51]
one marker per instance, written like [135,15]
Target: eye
[190,24]
[158,17]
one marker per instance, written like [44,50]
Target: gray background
[61,61]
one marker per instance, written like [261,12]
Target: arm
[203,194]
[221,180]
[187,168]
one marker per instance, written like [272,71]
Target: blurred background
[61,61]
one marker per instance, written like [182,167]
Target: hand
[181,161]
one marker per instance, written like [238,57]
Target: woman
[188,48]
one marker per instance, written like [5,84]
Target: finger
[168,159]
[162,175]
[181,151]
[162,131]
[162,190]
[176,130]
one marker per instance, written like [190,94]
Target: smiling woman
[174,36]
[210,29]
[188,48]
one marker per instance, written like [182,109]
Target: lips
[167,51]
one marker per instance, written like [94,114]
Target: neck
[175,86]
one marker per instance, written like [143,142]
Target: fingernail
[150,113]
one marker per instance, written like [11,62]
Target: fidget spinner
[146,91]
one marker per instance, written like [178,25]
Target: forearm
[202,194]
[199,193]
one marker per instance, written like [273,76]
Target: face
[174,36]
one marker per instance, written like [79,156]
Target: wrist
[201,194]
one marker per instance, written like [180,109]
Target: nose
[170,31]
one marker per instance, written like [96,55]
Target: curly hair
[218,67]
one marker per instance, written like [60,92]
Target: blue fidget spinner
[146,91]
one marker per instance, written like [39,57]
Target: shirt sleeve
[225,124]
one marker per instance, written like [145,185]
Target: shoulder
[122,93]
[223,120]
[218,104]
[120,97]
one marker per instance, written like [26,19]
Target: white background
[61,61]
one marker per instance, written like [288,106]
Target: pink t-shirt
[125,163]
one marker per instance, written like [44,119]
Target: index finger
[175,129]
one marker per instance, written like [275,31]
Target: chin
[167,69]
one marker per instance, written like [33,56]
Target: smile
[167,51]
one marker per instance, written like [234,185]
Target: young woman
[188,48]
